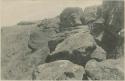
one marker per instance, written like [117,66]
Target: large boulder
[38,38]
[113,13]
[41,34]
[105,23]
[77,47]
[107,32]
[92,13]
[71,16]
[105,70]
[77,41]
[59,37]
[59,70]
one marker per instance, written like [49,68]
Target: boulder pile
[83,44]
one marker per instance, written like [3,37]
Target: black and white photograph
[62,40]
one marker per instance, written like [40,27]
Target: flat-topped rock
[59,70]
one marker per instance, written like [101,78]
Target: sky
[14,11]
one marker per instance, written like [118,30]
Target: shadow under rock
[75,58]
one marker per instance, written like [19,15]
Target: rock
[99,54]
[113,13]
[76,41]
[76,48]
[53,43]
[105,70]
[95,21]
[59,37]
[45,30]
[106,26]
[97,27]
[71,16]
[92,13]
[109,43]
[114,16]
[59,70]
[39,38]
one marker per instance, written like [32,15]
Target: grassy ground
[17,62]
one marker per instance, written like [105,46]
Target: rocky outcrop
[59,70]
[106,25]
[63,45]
[105,70]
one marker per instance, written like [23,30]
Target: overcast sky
[14,11]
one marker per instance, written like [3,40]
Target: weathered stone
[92,13]
[99,54]
[97,27]
[109,43]
[77,47]
[45,30]
[54,42]
[105,70]
[59,37]
[113,12]
[38,38]
[59,70]
[82,39]
[105,23]
[71,16]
